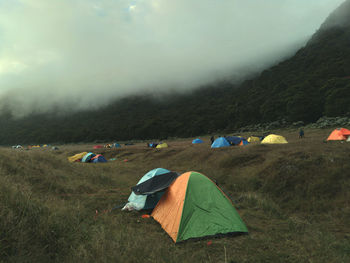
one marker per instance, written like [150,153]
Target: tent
[253,139]
[152,144]
[197,141]
[339,134]
[193,207]
[117,145]
[220,142]
[144,201]
[155,184]
[274,139]
[243,142]
[98,146]
[98,159]
[234,140]
[162,145]
[17,146]
[77,157]
[87,157]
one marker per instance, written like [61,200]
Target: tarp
[77,157]
[162,145]
[274,139]
[197,141]
[220,142]
[193,207]
[339,134]
[155,184]
[138,202]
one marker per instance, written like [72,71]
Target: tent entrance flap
[155,184]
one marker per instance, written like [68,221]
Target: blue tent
[220,142]
[117,145]
[245,142]
[138,202]
[234,140]
[99,159]
[197,141]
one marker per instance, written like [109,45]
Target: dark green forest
[314,82]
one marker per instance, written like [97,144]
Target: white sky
[85,52]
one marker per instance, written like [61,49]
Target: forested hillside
[314,82]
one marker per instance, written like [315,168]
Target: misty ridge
[71,56]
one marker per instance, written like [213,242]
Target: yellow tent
[76,157]
[273,138]
[253,139]
[162,145]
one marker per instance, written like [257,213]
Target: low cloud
[84,53]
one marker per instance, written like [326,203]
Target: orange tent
[339,134]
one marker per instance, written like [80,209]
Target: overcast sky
[85,52]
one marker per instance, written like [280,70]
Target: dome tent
[274,139]
[243,142]
[98,159]
[253,139]
[195,141]
[220,142]
[234,140]
[87,157]
[162,145]
[194,206]
[339,134]
[98,146]
[77,157]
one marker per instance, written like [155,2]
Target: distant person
[212,139]
[301,133]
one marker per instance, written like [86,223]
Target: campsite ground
[294,199]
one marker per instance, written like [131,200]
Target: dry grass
[294,199]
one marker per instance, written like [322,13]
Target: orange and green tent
[194,206]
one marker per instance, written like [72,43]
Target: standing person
[301,133]
[212,139]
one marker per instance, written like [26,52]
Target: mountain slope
[312,83]
[307,85]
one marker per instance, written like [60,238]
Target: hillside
[313,83]
[293,198]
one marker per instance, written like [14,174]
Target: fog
[78,54]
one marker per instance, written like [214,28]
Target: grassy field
[293,198]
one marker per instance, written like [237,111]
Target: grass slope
[293,198]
